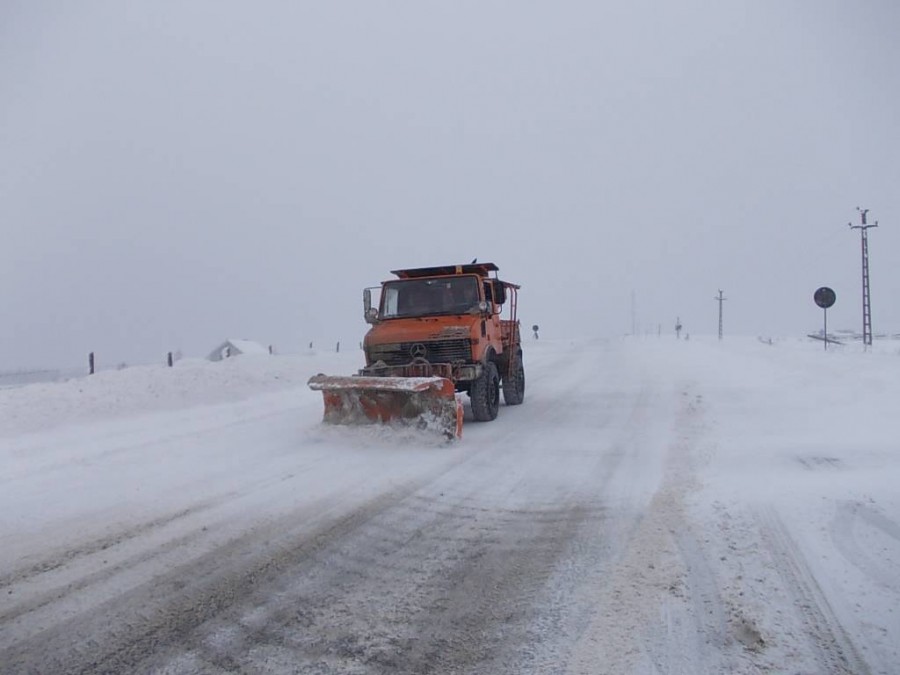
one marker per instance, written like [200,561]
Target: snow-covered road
[654,506]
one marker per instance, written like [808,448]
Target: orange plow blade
[423,402]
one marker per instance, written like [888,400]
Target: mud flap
[427,403]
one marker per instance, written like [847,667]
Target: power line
[866,296]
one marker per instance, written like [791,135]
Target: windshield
[420,297]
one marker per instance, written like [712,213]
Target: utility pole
[633,315]
[721,299]
[866,298]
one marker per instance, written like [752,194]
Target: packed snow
[655,505]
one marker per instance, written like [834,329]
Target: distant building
[234,348]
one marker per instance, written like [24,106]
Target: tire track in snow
[870,542]
[68,555]
[660,609]
[626,458]
[424,587]
[831,647]
[852,517]
[71,572]
[128,629]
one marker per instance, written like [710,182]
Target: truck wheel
[485,394]
[514,385]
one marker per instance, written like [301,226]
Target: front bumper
[456,372]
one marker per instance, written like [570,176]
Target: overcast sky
[175,173]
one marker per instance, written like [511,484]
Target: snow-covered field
[655,506]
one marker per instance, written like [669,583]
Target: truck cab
[446,322]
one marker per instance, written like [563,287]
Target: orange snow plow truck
[436,331]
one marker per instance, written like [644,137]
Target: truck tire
[514,385]
[485,394]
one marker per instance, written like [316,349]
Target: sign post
[824,297]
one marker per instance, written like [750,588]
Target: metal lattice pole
[721,299]
[866,294]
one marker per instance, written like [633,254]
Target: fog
[173,174]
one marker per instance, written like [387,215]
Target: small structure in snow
[234,348]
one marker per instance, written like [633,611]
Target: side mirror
[370,314]
[499,292]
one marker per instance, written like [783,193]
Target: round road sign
[824,297]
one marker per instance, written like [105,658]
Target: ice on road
[655,506]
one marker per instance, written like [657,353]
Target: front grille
[436,351]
